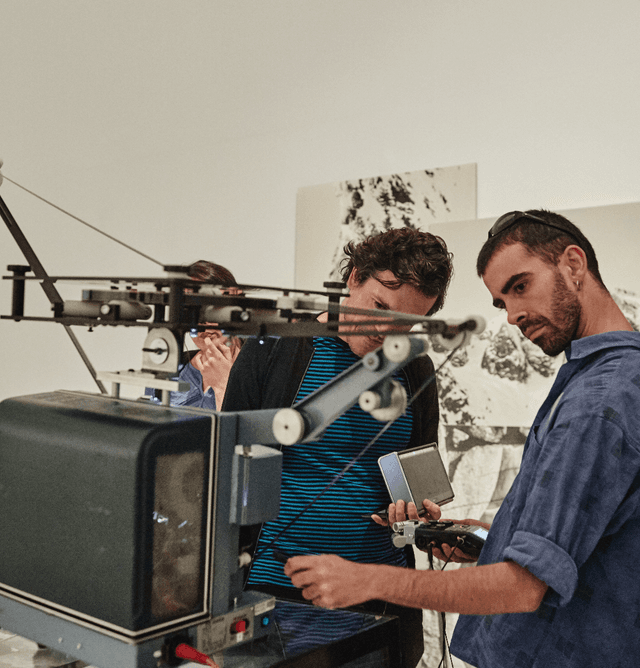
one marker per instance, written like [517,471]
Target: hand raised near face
[214,362]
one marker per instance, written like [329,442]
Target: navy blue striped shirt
[334,523]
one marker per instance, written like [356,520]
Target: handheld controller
[470,539]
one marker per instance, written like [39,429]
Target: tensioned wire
[84,222]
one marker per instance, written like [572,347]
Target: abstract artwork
[329,216]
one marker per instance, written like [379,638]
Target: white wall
[185,127]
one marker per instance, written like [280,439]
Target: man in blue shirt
[556,583]
[207,368]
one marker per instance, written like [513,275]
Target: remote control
[469,539]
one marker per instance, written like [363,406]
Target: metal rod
[49,289]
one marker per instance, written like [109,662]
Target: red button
[239,627]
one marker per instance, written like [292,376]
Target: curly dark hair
[414,257]
[548,241]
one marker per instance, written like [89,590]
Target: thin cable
[84,222]
[354,461]
[446,650]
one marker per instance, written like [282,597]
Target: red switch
[239,626]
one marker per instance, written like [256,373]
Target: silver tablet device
[416,474]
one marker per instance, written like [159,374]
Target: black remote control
[470,539]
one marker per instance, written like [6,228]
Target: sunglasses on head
[508,219]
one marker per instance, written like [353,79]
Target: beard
[561,329]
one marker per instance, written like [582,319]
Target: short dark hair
[414,257]
[202,270]
[547,241]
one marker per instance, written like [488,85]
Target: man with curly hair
[402,270]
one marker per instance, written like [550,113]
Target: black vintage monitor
[107,508]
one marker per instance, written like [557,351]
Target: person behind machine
[402,270]
[556,582]
[207,368]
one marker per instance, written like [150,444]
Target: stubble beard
[565,313]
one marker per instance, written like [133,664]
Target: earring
[578,286]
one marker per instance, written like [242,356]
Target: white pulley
[397,406]
[369,401]
[161,351]
[396,348]
[474,325]
[459,340]
[288,426]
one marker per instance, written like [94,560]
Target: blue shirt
[194,396]
[572,518]
[334,524]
